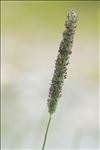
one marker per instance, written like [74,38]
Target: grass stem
[46,133]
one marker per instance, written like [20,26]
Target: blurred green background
[31,34]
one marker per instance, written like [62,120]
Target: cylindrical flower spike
[62,61]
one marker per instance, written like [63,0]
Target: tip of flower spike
[72,16]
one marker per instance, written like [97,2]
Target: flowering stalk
[61,65]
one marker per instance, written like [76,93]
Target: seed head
[62,61]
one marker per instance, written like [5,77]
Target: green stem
[44,142]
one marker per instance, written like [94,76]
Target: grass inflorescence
[60,72]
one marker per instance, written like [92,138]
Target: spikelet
[62,61]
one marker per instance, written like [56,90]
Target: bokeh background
[31,34]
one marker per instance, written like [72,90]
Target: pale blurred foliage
[31,33]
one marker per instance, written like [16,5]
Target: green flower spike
[62,61]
